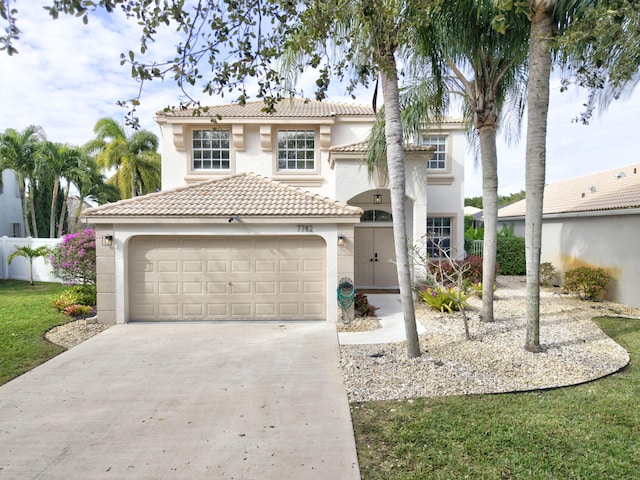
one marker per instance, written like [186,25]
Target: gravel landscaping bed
[72,333]
[494,360]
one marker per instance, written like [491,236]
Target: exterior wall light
[107,240]
[341,240]
[377,199]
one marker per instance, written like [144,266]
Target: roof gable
[618,188]
[244,194]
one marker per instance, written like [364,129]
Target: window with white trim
[439,159]
[296,150]
[210,150]
[438,236]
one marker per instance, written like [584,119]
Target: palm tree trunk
[32,205]
[490,212]
[538,104]
[63,210]
[52,218]
[23,203]
[396,166]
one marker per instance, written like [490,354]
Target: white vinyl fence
[19,268]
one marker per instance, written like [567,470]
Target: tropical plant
[18,153]
[134,157]
[30,254]
[74,260]
[548,18]
[58,161]
[487,70]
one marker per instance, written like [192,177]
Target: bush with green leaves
[589,283]
[444,299]
[510,253]
[74,260]
[75,295]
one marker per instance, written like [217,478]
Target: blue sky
[68,75]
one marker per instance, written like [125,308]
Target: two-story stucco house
[260,215]
[11,220]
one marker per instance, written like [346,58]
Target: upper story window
[439,159]
[296,150]
[210,150]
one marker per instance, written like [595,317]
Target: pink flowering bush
[74,260]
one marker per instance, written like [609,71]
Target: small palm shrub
[589,283]
[444,299]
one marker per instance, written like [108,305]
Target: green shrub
[443,299]
[75,295]
[548,273]
[589,283]
[77,310]
[511,253]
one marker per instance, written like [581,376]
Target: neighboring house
[261,215]
[592,220]
[11,220]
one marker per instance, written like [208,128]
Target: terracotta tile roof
[287,108]
[614,189]
[363,147]
[245,194]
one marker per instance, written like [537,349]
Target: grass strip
[25,316]
[588,431]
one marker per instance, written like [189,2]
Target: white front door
[375,264]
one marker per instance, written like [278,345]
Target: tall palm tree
[78,170]
[487,69]
[55,160]
[367,36]
[91,185]
[134,157]
[548,18]
[18,153]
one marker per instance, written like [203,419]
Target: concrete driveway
[185,401]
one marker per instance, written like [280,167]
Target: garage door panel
[167,266]
[227,278]
[217,266]
[217,288]
[241,266]
[168,288]
[192,288]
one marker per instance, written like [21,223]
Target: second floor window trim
[296,150]
[211,150]
[439,159]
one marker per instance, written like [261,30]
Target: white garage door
[227,278]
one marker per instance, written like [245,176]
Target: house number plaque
[305,228]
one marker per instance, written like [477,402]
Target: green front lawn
[590,431]
[25,316]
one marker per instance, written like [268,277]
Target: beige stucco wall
[610,242]
[256,153]
[605,239]
[105,276]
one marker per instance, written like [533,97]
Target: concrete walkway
[390,314]
[184,401]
